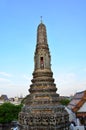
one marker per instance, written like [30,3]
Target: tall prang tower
[42,110]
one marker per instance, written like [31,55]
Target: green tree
[9,112]
[64,101]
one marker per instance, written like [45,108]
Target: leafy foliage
[64,101]
[9,112]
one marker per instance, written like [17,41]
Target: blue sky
[65,21]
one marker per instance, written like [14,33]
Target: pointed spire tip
[41,19]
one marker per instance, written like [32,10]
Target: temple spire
[42,109]
[42,54]
[41,34]
[41,19]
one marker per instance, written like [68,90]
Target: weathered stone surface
[42,110]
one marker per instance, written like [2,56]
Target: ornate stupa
[42,110]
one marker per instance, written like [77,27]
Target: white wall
[83,108]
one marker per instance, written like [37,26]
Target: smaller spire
[41,19]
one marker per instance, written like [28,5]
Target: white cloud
[4,80]
[5,74]
[70,83]
[26,77]
[66,78]
[15,90]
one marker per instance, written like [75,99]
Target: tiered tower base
[44,118]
